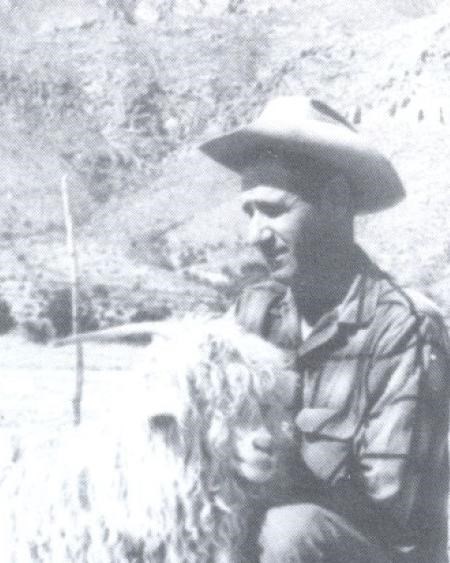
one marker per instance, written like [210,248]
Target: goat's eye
[244,413]
[265,409]
[248,414]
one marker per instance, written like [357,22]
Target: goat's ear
[164,425]
[162,422]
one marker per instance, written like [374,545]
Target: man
[371,402]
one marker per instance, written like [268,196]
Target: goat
[158,483]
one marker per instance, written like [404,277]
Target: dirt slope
[70,91]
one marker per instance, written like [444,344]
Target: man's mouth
[276,258]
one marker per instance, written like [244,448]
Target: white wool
[129,489]
[181,349]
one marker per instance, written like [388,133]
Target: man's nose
[258,231]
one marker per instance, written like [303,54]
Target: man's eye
[272,210]
[267,209]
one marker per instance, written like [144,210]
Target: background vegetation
[119,94]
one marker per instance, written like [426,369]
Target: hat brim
[374,180]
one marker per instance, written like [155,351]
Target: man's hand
[254,455]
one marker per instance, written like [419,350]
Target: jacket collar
[356,310]
[360,304]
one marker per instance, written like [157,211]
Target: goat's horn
[114,334]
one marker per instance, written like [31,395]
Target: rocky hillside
[119,103]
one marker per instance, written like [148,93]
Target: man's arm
[401,448]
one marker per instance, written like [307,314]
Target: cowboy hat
[300,126]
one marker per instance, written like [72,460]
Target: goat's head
[208,388]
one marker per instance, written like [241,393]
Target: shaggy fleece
[156,483]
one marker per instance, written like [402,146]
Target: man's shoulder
[404,310]
[407,301]
[394,299]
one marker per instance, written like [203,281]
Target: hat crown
[299,127]
[285,111]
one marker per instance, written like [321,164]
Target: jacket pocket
[326,438]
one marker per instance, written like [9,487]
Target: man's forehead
[266,193]
[296,177]
[268,172]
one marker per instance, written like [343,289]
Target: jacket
[372,413]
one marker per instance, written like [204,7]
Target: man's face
[285,227]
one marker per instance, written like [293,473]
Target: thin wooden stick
[74,284]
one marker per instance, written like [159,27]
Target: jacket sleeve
[401,447]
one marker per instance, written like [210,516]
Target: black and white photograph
[225,281]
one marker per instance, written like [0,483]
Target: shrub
[151,313]
[59,311]
[101,291]
[39,330]
[7,321]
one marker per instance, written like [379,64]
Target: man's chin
[299,285]
[282,276]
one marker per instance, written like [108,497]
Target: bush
[39,330]
[152,313]
[7,321]
[59,311]
[100,291]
